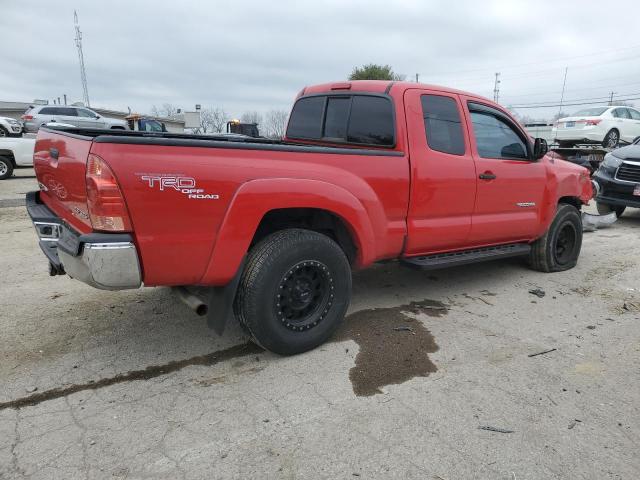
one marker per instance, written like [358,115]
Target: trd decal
[180,183]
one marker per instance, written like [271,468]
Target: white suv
[38,115]
[607,126]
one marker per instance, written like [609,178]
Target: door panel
[511,189]
[443,186]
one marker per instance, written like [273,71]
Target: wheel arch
[261,207]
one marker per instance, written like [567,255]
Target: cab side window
[442,124]
[496,139]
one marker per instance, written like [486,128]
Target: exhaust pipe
[192,301]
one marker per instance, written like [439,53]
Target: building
[17,109]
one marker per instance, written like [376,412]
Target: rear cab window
[354,118]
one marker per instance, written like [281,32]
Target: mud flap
[220,302]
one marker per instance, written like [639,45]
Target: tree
[275,123]
[213,119]
[251,117]
[373,71]
[167,110]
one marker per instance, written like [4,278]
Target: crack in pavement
[147,373]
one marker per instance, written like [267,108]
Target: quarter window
[635,115]
[442,124]
[621,113]
[495,138]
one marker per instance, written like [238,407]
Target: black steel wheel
[294,291]
[559,248]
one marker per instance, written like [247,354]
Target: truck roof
[382,86]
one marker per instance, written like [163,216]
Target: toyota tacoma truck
[268,232]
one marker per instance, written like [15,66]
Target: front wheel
[605,208]
[558,249]
[294,291]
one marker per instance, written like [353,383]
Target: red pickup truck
[368,171]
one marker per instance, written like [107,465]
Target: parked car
[83,117]
[15,152]
[607,126]
[368,171]
[618,180]
[10,127]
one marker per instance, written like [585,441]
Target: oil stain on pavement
[394,347]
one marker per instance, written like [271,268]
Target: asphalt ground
[455,374]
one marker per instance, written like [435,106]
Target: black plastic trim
[464,257]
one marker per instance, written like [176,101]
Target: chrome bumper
[108,266]
[102,260]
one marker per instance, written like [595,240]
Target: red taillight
[107,209]
[27,117]
[593,122]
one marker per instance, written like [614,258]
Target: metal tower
[496,88]
[83,73]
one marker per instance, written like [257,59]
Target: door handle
[486,176]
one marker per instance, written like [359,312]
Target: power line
[573,104]
[596,99]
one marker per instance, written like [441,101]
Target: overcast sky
[256,55]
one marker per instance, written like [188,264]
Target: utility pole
[564,83]
[611,97]
[83,73]
[496,88]
[417,75]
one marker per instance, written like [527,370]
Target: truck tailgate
[60,161]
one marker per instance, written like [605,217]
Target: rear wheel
[294,291]
[6,168]
[611,139]
[558,249]
[605,208]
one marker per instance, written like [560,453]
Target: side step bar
[442,260]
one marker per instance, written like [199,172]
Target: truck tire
[3,132]
[605,208]
[558,249]
[611,139]
[6,168]
[294,291]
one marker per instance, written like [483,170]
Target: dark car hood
[630,152]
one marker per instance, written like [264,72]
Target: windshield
[590,112]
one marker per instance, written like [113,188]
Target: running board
[464,257]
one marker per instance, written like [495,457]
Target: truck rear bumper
[108,261]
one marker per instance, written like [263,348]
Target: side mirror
[97,117]
[540,148]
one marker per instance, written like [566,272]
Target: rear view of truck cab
[80,215]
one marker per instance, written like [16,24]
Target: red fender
[257,197]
